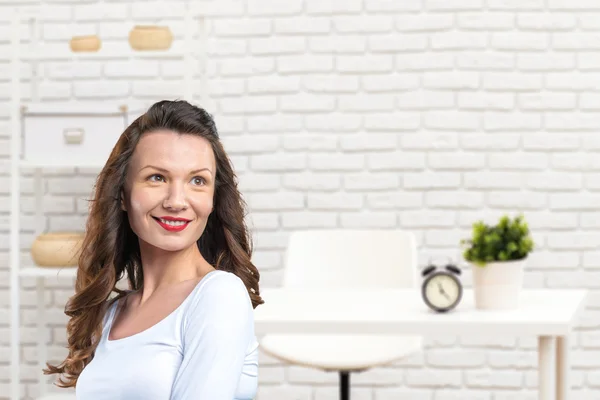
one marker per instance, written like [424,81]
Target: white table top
[402,311]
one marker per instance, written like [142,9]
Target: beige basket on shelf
[57,249]
[150,37]
[85,43]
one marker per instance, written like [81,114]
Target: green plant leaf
[509,239]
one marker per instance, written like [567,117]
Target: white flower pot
[498,285]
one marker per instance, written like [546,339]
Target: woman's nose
[176,198]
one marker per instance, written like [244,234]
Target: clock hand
[442,291]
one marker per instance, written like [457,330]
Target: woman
[166,211]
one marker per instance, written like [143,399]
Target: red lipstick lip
[171,228]
[174,219]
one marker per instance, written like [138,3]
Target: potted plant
[498,255]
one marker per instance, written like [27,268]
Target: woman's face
[169,189]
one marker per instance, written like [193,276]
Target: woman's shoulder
[223,278]
[220,286]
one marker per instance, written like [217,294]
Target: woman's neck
[165,268]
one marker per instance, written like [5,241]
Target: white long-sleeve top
[205,349]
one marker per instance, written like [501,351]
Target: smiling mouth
[172,222]
[172,226]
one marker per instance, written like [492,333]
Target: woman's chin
[172,245]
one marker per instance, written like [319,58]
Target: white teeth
[173,223]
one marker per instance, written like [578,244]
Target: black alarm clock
[441,288]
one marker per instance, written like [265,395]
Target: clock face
[442,291]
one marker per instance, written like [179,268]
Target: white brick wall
[421,114]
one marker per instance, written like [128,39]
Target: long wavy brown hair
[110,247]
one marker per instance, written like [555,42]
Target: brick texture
[419,114]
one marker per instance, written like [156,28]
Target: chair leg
[344,385]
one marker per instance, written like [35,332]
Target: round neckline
[138,334]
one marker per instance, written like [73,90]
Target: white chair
[346,259]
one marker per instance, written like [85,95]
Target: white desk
[547,314]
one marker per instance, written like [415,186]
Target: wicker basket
[150,37]
[85,43]
[57,249]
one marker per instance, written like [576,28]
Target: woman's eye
[197,180]
[156,178]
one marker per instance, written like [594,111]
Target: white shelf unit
[37,132]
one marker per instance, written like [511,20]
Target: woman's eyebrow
[200,170]
[166,171]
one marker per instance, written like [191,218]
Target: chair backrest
[351,258]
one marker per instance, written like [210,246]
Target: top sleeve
[216,335]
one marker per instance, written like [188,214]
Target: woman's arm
[217,332]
